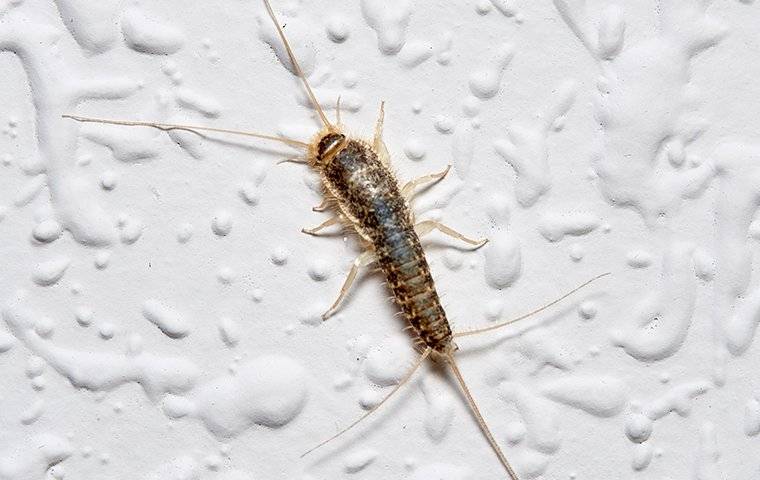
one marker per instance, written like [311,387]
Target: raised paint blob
[526,150]
[103,371]
[503,260]
[31,458]
[166,318]
[485,83]
[50,272]
[268,391]
[145,33]
[388,22]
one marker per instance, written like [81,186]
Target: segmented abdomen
[402,260]
[368,194]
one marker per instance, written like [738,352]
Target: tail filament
[476,411]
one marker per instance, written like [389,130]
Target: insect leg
[403,382]
[408,190]
[315,231]
[427,226]
[379,127]
[378,143]
[337,111]
[322,206]
[529,314]
[362,260]
[300,161]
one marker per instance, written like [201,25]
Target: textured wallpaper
[162,309]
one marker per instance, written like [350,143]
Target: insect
[364,195]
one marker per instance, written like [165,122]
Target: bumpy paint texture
[159,307]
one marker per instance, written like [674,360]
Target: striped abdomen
[368,195]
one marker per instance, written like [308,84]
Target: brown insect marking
[328,145]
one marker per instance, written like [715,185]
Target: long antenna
[476,411]
[395,389]
[529,314]
[166,127]
[299,72]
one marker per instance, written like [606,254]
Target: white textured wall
[160,307]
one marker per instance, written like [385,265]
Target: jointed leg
[379,126]
[427,226]
[322,206]
[337,111]
[361,261]
[408,190]
[403,382]
[378,144]
[323,225]
[529,314]
[299,160]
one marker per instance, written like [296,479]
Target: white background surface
[160,306]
